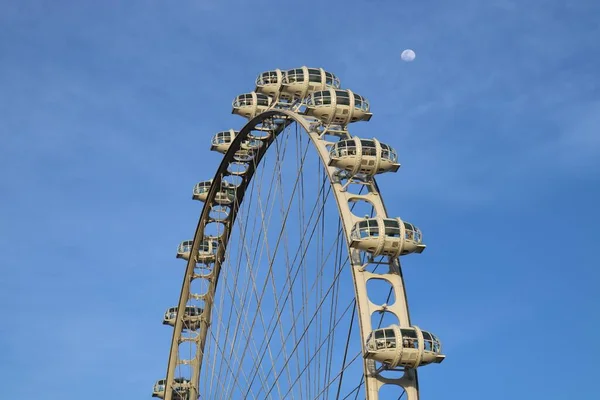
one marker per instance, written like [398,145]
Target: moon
[408,55]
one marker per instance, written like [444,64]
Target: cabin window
[329,79]
[388,153]
[409,339]
[223,137]
[427,341]
[392,229]
[319,99]
[295,75]
[411,232]
[390,339]
[368,228]
[262,100]
[360,103]
[436,344]
[268,77]
[243,100]
[185,247]
[342,98]
[200,189]
[344,148]
[314,75]
[385,339]
[368,148]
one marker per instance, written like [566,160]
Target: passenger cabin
[247,150]
[222,140]
[269,83]
[180,389]
[249,105]
[339,107]
[225,196]
[386,236]
[201,190]
[191,319]
[207,250]
[363,156]
[299,82]
[403,347]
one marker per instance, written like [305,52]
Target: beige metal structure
[347,160]
[180,386]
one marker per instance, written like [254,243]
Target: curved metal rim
[372,382]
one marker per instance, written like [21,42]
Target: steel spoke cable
[250,264]
[353,390]
[265,248]
[242,233]
[337,396]
[231,370]
[289,292]
[378,326]
[335,302]
[340,269]
[270,325]
[334,307]
[252,275]
[222,299]
[246,335]
[309,324]
[228,262]
[270,257]
[312,318]
[312,234]
[278,173]
[288,269]
[317,350]
[321,257]
[336,377]
[302,265]
[278,240]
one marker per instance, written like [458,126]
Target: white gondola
[222,140]
[386,236]
[403,347]
[247,150]
[191,319]
[363,156]
[299,82]
[251,144]
[181,387]
[207,250]
[249,105]
[200,191]
[339,107]
[269,83]
[225,196]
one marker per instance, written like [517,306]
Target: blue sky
[106,113]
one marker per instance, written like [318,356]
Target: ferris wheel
[293,287]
